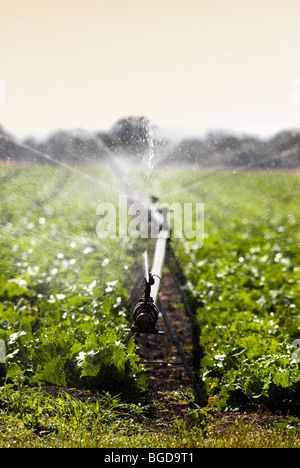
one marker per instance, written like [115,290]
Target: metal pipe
[147,304]
[159,256]
[158,263]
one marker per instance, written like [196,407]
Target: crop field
[63,290]
[245,282]
[65,302]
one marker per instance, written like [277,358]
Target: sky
[188,65]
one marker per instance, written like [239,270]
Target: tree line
[137,136]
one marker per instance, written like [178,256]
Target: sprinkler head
[145,313]
[145,316]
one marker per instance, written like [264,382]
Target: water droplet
[87,250]
[60,296]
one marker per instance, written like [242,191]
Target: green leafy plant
[244,284]
[63,301]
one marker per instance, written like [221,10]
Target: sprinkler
[145,313]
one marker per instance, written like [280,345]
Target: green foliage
[64,303]
[64,293]
[32,412]
[244,284]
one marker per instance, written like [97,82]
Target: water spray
[146,266]
[148,308]
[145,313]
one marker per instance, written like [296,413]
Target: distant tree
[132,134]
[93,150]
[284,149]
[244,152]
[226,149]
[58,145]
[252,152]
[107,141]
[190,151]
[9,149]
[85,149]
[32,156]
[284,140]
[234,151]
[31,142]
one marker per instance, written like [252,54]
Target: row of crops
[64,292]
[245,286]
